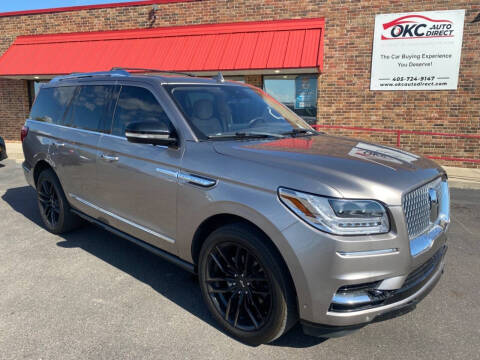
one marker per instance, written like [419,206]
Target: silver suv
[281,223]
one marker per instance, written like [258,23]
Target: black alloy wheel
[54,208]
[49,202]
[246,285]
[239,286]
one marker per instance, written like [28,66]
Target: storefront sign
[417,51]
[305,92]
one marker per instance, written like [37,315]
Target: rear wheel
[54,208]
[245,285]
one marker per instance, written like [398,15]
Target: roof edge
[179,30]
[236,72]
[90,7]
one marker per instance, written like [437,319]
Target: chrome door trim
[126,221]
[109,158]
[172,173]
[85,131]
[197,180]
[65,127]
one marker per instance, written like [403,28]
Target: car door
[74,148]
[138,182]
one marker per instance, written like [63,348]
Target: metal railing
[399,132]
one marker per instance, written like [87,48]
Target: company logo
[433,199]
[417,27]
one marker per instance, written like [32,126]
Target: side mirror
[150,132]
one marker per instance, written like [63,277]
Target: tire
[53,206]
[242,276]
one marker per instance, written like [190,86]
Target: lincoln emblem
[433,198]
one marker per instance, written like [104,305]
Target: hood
[355,169]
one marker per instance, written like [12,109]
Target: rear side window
[51,104]
[136,104]
[90,108]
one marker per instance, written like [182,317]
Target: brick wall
[255,80]
[344,95]
[13,107]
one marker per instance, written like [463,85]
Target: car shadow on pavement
[165,278]
[23,200]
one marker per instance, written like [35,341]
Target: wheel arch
[216,221]
[40,166]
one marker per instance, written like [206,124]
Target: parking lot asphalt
[90,294]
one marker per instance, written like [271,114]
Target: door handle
[109,158]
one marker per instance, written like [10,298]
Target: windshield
[222,111]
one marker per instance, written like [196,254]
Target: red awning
[284,44]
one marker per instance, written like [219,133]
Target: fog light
[353,298]
[356,297]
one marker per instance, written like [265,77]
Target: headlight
[337,216]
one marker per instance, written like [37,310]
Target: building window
[298,92]
[33,89]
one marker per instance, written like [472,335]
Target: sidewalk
[14,151]
[461,178]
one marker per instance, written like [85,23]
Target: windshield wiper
[245,135]
[300,131]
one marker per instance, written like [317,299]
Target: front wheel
[245,285]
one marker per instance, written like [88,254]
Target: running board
[159,252]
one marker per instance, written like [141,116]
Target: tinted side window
[136,104]
[51,104]
[90,107]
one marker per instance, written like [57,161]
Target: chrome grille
[416,207]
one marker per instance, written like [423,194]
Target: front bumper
[324,265]
[418,284]
[325,331]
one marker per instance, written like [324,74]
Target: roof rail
[113,72]
[151,71]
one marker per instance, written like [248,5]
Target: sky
[17,5]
